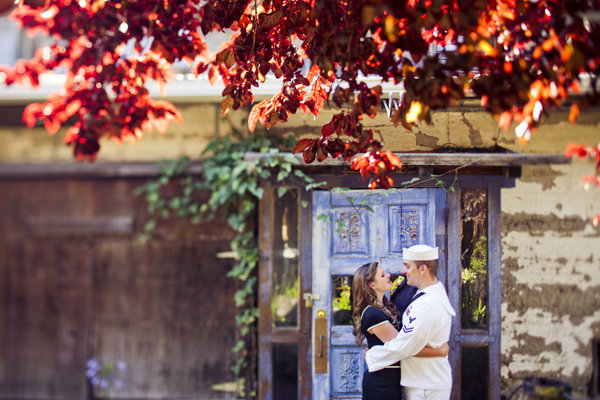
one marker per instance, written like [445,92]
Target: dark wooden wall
[76,283]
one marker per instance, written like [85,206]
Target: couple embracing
[408,334]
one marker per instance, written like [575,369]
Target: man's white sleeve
[410,340]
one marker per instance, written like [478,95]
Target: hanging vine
[233,182]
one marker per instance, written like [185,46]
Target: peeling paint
[548,319]
[426,140]
[557,349]
[510,142]
[538,224]
[474,134]
[542,174]
[564,300]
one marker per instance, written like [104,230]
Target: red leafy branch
[583,152]
[521,58]
[377,167]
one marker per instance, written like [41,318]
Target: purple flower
[93,367]
[121,366]
[103,374]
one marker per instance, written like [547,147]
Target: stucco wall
[550,276]
[202,123]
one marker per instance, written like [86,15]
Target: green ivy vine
[233,182]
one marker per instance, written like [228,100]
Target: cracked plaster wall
[550,276]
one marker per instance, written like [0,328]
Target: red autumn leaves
[583,152]
[521,58]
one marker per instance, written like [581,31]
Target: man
[426,322]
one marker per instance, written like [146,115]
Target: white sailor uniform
[426,322]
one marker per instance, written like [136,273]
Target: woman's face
[381,283]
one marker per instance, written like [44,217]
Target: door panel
[350,229]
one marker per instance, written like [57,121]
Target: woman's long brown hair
[363,296]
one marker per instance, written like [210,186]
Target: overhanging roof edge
[449,159]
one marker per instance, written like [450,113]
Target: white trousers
[426,394]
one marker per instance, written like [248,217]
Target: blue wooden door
[349,229]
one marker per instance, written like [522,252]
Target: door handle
[320,343]
[320,346]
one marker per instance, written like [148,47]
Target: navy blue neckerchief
[403,296]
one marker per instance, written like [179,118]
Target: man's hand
[441,351]
[445,349]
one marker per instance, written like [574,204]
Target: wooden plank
[356,181]
[438,201]
[46,323]
[454,283]
[474,339]
[168,315]
[71,225]
[305,314]
[85,170]
[145,169]
[285,335]
[265,273]
[482,159]
[451,159]
[321,280]
[5,268]
[495,288]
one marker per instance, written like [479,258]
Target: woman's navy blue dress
[383,384]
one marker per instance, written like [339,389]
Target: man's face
[412,272]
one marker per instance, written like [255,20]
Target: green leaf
[150,225]
[340,189]
[281,175]
[281,191]
[413,180]
[153,197]
[324,217]
[175,203]
[239,345]
[315,185]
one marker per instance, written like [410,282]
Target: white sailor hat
[420,252]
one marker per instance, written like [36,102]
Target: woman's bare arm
[385,331]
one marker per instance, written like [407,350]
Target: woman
[377,320]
